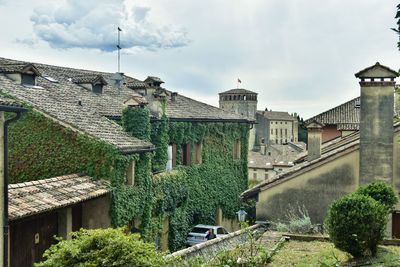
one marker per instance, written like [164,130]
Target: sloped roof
[73,106]
[30,198]
[238,91]
[331,151]
[111,102]
[346,116]
[377,71]
[277,115]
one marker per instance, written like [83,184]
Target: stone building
[340,120]
[339,166]
[276,127]
[74,144]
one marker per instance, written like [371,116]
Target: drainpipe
[5,219]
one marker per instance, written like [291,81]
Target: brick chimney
[376,123]
[314,131]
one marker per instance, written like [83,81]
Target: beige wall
[275,132]
[315,189]
[260,174]
[96,213]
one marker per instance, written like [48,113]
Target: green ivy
[187,196]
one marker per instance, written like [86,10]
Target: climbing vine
[188,195]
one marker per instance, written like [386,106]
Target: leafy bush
[102,247]
[381,192]
[356,223]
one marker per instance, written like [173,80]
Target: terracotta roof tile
[30,198]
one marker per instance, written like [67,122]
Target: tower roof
[238,91]
[377,71]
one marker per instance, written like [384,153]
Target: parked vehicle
[199,233]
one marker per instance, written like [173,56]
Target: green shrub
[381,192]
[102,247]
[356,223]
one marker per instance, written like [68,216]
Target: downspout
[6,225]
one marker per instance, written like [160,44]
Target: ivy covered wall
[192,194]
[40,148]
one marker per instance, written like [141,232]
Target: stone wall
[213,247]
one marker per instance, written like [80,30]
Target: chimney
[376,123]
[314,131]
[173,96]
[263,147]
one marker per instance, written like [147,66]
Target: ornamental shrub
[102,247]
[356,223]
[381,192]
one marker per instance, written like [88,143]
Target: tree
[398,24]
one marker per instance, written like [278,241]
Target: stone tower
[376,123]
[239,101]
[242,102]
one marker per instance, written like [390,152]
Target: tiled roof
[65,108]
[277,115]
[238,91]
[9,102]
[331,150]
[188,109]
[89,79]
[111,102]
[346,116]
[35,197]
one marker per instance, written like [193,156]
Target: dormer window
[28,79]
[95,83]
[98,88]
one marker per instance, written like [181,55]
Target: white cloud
[93,24]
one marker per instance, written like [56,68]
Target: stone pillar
[376,123]
[65,223]
[314,130]
[218,216]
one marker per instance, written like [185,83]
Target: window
[285,122]
[97,88]
[173,155]
[276,132]
[286,132]
[236,149]
[130,173]
[198,150]
[281,122]
[28,79]
[272,131]
[281,132]
[276,141]
[186,154]
[254,175]
[266,176]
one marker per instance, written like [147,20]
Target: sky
[298,55]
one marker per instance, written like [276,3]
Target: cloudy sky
[299,55]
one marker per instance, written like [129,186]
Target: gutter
[18,111]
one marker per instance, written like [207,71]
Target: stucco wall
[330,132]
[396,164]
[315,189]
[96,213]
[376,136]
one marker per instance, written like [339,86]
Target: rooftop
[238,91]
[346,116]
[330,151]
[40,196]
[276,115]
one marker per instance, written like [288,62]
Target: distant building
[340,120]
[276,127]
[272,127]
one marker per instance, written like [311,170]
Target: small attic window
[28,79]
[97,88]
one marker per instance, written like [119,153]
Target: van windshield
[199,230]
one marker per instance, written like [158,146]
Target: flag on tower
[239,81]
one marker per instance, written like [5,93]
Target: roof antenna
[119,50]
